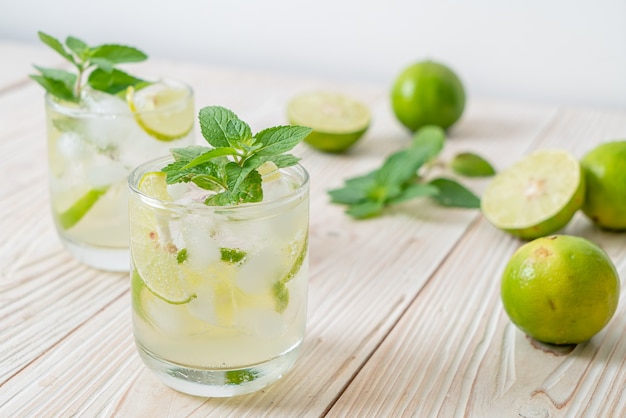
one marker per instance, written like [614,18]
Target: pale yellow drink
[92,148]
[219,293]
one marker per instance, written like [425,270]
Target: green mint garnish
[232,255]
[281,296]
[97,63]
[399,179]
[471,165]
[228,167]
[237,377]
[181,256]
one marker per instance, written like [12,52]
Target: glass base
[117,260]
[219,383]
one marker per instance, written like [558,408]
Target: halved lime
[77,211]
[166,114]
[154,255]
[338,121]
[536,196]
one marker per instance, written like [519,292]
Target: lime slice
[338,122]
[166,115]
[75,213]
[536,196]
[154,255]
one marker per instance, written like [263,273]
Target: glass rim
[135,176]
[62,106]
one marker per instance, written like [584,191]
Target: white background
[548,51]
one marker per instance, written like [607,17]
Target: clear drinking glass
[219,293]
[92,148]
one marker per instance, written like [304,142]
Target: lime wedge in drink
[154,255]
[536,196]
[166,114]
[338,122]
[75,213]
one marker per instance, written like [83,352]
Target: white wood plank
[455,353]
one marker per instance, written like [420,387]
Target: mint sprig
[97,63]
[401,178]
[228,167]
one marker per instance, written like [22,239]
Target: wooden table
[405,316]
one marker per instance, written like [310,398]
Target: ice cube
[202,250]
[276,188]
[99,102]
[71,146]
[202,307]
[106,173]
[259,271]
[265,323]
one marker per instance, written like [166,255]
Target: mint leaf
[430,140]
[237,377]
[280,139]
[368,209]
[453,194]
[230,166]
[117,54]
[58,83]
[113,82]
[232,255]
[281,296]
[78,47]
[415,190]
[399,180]
[214,125]
[97,63]
[56,45]
[471,165]
[181,256]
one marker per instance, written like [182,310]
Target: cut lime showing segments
[167,114]
[536,196]
[154,255]
[75,213]
[338,122]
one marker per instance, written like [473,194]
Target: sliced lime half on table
[153,253]
[166,115]
[536,196]
[338,121]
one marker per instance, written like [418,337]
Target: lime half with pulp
[536,196]
[154,254]
[166,114]
[338,122]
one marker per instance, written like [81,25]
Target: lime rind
[71,216]
[154,255]
[338,121]
[167,115]
[536,196]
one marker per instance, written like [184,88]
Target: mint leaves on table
[97,63]
[401,178]
[229,166]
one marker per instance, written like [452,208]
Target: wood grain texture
[404,310]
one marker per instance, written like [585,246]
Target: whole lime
[560,289]
[427,93]
[605,175]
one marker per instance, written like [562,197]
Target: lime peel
[338,121]
[155,121]
[536,196]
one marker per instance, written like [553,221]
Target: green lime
[166,115]
[605,174]
[338,122]
[154,255]
[75,213]
[536,196]
[427,93]
[560,289]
